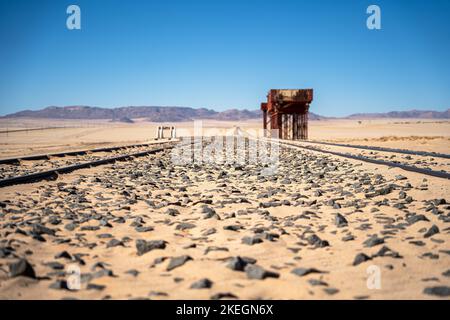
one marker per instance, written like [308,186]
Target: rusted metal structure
[286,111]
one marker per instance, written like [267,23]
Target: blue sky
[225,54]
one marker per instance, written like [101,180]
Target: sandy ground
[426,135]
[393,242]
[413,134]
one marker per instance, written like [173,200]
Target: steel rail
[428,172]
[74,153]
[383,149]
[53,173]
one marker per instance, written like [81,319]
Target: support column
[302,127]
[280,125]
[306,125]
[288,126]
[265,119]
[294,126]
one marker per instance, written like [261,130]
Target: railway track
[15,160]
[45,167]
[382,149]
[420,159]
[349,155]
[29,164]
[375,158]
[70,161]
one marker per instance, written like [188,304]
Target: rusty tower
[286,110]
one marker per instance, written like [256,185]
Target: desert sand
[318,227]
[63,135]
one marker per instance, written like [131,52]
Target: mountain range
[415,114]
[126,114]
[176,114]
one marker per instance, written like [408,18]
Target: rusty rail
[53,173]
[429,172]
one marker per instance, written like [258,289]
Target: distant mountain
[177,114]
[85,112]
[314,116]
[235,114]
[415,114]
[123,119]
[153,114]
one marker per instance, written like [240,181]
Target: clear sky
[225,54]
